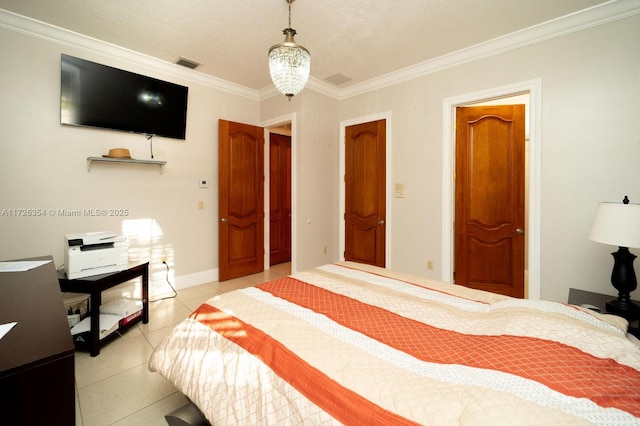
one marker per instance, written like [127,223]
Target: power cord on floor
[170,285]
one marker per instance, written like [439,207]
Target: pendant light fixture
[289,63]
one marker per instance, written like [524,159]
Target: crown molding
[312,84]
[610,11]
[38,29]
[597,15]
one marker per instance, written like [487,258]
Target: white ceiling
[361,39]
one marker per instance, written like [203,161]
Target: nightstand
[579,297]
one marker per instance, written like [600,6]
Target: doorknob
[519,231]
[381,222]
[224,220]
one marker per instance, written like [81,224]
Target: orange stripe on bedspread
[561,367]
[343,404]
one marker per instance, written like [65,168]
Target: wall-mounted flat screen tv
[100,96]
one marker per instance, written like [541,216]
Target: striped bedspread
[353,344]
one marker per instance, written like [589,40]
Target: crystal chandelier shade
[289,63]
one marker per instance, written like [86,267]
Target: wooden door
[241,199]
[279,198]
[365,195]
[489,210]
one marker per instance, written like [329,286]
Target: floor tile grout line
[215,288]
[144,408]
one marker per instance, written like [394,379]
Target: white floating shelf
[124,160]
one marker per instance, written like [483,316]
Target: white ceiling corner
[375,43]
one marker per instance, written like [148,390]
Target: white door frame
[341,184]
[534,89]
[289,118]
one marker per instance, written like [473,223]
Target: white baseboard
[197,278]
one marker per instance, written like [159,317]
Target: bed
[347,343]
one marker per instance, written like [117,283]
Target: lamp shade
[617,224]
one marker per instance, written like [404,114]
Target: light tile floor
[116,387]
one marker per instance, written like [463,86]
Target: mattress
[347,343]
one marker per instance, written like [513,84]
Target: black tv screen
[100,96]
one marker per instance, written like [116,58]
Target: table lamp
[618,224]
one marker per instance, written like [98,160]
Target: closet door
[365,195]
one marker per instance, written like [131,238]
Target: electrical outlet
[430,265]
[73,319]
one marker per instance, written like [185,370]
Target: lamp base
[623,278]
[623,307]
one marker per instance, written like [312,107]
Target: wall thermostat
[203,183]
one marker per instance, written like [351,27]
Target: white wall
[315,175]
[43,166]
[590,148]
[590,151]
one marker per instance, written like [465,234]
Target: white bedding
[354,344]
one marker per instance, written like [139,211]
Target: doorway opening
[284,126]
[279,171]
[531,93]
[489,224]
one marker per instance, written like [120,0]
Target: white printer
[94,253]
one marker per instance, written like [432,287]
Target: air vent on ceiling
[189,63]
[337,79]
